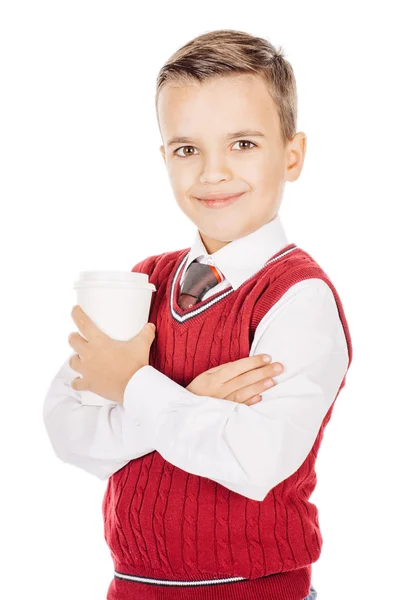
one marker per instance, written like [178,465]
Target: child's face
[208,161]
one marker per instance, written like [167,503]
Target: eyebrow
[235,134]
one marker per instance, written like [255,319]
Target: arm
[250,449]
[92,438]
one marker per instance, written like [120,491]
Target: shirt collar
[242,258]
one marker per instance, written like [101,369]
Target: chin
[225,235]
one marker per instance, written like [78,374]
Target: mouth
[220,202]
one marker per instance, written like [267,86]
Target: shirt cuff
[146,395]
[150,397]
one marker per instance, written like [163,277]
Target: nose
[215,170]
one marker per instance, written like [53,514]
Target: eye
[192,147]
[245,142]
[184,155]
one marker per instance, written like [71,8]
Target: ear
[296,151]
[162,150]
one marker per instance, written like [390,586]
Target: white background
[83,186]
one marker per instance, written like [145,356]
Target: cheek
[182,178]
[253,167]
[266,173]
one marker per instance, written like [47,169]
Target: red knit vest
[177,536]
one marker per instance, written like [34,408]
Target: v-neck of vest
[181,315]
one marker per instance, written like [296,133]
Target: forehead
[217,105]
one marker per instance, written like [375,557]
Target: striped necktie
[199,278]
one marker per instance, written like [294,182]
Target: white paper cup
[118,302]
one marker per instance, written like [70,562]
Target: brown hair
[226,52]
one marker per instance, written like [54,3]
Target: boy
[207,498]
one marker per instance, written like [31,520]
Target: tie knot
[199,278]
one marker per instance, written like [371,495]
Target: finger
[75,363]
[253,400]
[85,324]
[77,342]
[241,397]
[250,392]
[249,381]
[77,383]
[214,369]
[243,365]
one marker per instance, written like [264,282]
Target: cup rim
[93,283]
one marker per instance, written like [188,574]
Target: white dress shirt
[247,449]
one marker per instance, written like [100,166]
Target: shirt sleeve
[250,449]
[93,438]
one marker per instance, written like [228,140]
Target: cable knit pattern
[183,532]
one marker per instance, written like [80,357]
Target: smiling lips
[219,196]
[219,200]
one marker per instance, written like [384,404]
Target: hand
[106,365]
[240,381]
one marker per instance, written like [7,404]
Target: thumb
[150,327]
[148,333]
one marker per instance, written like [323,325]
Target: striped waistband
[192,583]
